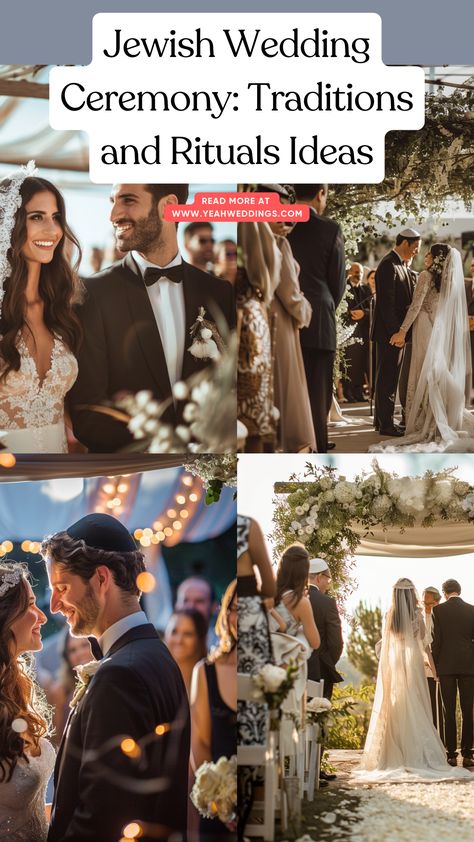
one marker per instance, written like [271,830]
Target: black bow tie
[172,273]
[95,648]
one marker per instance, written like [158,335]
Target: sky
[374,576]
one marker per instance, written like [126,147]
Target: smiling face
[181,638]
[74,598]
[27,628]
[135,218]
[78,651]
[428,259]
[43,228]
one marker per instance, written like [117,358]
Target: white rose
[180,391]
[206,333]
[142,398]
[308,530]
[270,678]
[299,510]
[305,507]
[295,525]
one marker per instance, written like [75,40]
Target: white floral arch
[378,513]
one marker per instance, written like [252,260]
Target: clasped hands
[398,339]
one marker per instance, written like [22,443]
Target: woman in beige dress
[292,312]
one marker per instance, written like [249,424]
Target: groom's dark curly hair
[78,558]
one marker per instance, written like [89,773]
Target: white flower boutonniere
[206,344]
[84,673]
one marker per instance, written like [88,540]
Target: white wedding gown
[22,799]
[402,743]
[32,411]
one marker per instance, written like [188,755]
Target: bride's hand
[398,339]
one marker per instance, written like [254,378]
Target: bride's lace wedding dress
[402,743]
[32,410]
[22,799]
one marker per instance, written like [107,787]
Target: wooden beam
[31,90]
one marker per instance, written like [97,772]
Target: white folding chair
[314,690]
[262,756]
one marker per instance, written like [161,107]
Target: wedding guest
[291,601]
[74,651]
[357,354]
[292,313]
[257,280]
[96,259]
[432,597]
[186,638]
[198,594]
[453,655]
[199,244]
[40,333]
[225,265]
[214,704]
[318,247]
[370,280]
[322,663]
[394,290]
[142,341]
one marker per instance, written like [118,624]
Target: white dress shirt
[167,302]
[116,630]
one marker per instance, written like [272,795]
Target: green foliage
[423,169]
[350,716]
[366,631]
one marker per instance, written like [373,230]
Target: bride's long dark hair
[59,286]
[438,250]
[20,696]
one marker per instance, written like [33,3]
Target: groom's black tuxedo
[453,653]
[394,292]
[122,349]
[322,663]
[98,789]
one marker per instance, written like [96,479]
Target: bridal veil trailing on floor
[437,419]
[402,743]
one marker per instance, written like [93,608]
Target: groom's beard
[86,614]
[144,233]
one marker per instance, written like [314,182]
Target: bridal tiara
[10,201]
[10,579]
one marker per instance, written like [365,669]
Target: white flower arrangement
[84,673]
[214,793]
[326,512]
[206,342]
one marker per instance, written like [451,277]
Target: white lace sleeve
[422,287]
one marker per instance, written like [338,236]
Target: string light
[177,525]
[168,531]
[158,525]
[184,514]
[188,480]
[7,546]
[193,497]
[7,460]
[181,499]
[171,513]
[146,582]
[145,541]
[138,534]
[109,488]
[162,729]
[161,535]
[122,487]
[131,749]
[132,831]
[19,725]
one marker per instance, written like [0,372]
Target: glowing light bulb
[146,582]
[171,513]
[181,499]
[138,534]
[108,488]
[193,497]
[7,460]
[177,525]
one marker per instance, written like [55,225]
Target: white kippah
[410,233]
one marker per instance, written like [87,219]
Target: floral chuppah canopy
[378,513]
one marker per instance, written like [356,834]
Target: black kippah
[102,532]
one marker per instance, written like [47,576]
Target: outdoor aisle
[388,812]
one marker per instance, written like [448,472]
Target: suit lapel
[144,324]
[194,298]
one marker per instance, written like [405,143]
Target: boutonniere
[84,673]
[206,341]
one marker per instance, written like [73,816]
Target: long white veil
[402,742]
[443,389]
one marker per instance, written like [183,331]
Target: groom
[453,654]
[137,316]
[124,754]
[394,292]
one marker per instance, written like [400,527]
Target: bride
[402,743]
[440,370]
[39,331]
[26,756]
